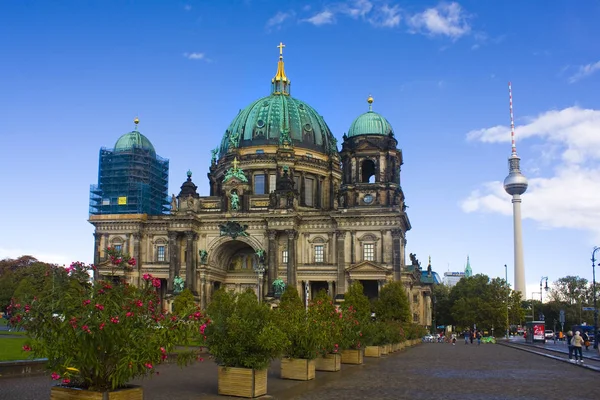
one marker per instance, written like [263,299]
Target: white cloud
[195,56]
[386,16]
[584,71]
[357,8]
[445,19]
[567,197]
[278,19]
[322,18]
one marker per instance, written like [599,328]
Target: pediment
[366,266]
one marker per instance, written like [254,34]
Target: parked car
[549,334]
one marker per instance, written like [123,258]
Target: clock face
[368,199]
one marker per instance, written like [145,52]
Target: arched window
[368,171]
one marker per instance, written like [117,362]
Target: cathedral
[286,206]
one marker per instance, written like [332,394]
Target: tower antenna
[512,120]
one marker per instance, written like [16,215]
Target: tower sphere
[515,183]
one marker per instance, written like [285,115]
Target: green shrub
[242,332]
[183,302]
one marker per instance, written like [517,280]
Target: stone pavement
[427,371]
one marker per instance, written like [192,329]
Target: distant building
[452,278]
[132,179]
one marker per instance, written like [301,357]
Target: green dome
[370,123]
[263,121]
[134,139]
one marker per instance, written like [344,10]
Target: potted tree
[243,339]
[304,336]
[329,321]
[356,314]
[100,335]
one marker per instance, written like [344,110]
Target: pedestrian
[467,334]
[478,338]
[453,339]
[577,342]
[570,346]
[471,337]
[586,341]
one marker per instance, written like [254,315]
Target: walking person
[586,341]
[453,339]
[471,337]
[478,338]
[577,342]
[570,346]
[466,335]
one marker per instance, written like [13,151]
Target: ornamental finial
[370,101]
[280,83]
[136,121]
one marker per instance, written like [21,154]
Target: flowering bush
[242,332]
[103,334]
[329,322]
[304,333]
[351,330]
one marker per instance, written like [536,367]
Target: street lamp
[594,294]
[507,299]
[259,268]
[546,288]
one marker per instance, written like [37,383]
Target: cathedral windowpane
[319,254]
[284,256]
[118,247]
[272,182]
[369,252]
[160,253]
[259,184]
[308,191]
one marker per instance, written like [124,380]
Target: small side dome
[134,139]
[370,123]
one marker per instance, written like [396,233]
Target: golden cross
[281,46]
[235,164]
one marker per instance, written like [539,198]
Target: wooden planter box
[66,393]
[384,350]
[373,351]
[352,356]
[299,369]
[389,348]
[329,362]
[242,382]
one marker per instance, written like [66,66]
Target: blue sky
[74,75]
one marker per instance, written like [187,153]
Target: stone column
[173,260]
[126,249]
[190,279]
[352,247]
[138,256]
[302,198]
[291,264]
[207,291]
[329,256]
[382,245]
[272,272]
[203,291]
[341,261]
[330,289]
[104,246]
[97,240]
[397,253]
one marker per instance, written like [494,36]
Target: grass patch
[11,349]
[2,321]
[20,333]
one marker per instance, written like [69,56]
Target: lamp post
[507,300]
[546,288]
[594,294]
[259,268]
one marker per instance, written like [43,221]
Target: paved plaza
[428,371]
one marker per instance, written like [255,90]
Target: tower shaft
[518,238]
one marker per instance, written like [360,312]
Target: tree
[442,305]
[356,299]
[570,289]
[392,304]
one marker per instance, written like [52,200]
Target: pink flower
[131,261]
[86,302]
[129,314]
[156,282]
[115,320]
[101,326]
[26,348]
[139,303]
[85,328]
[148,365]
[55,376]
[66,381]
[147,277]
[100,307]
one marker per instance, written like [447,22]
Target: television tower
[515,184]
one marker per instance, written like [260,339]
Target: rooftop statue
[235,172]
[203,256]
[235,201]
[261,255]
[214,153]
